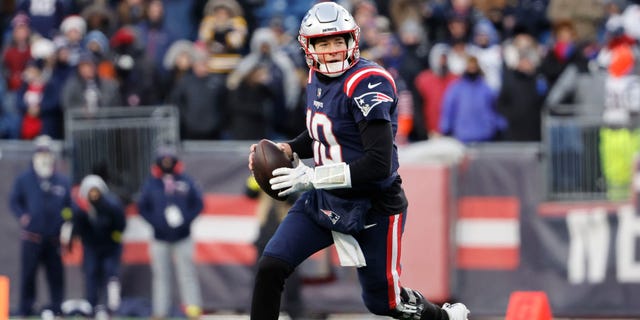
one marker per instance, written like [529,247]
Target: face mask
[43,164]
[167,165]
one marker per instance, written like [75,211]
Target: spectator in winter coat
[521,98]
[432,84]
[468,110]
[199,96]
[18,52]
[169,202]
[99,220]
[38,104]
[263,87]
[85,89]
[40,200]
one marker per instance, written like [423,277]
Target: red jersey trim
[353,80]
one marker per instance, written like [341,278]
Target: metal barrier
[118,143]
[586,160]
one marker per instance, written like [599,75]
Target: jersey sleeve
[372,94]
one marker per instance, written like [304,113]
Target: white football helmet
[327,19]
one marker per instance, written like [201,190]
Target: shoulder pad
[354,79]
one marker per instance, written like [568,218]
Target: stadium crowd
[475,70]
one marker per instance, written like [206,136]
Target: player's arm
[377,141]
[302,145]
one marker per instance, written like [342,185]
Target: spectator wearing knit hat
[18,52]
[133,70]
[73,29]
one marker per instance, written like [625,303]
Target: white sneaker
[456,311]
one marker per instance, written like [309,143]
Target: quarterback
[352,197]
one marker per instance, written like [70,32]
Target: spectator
[9,120]
[130,12]
[432,84]
[38,104]
[521,98]
[177,62]
[18,52]
[155,37]
[619,141]
[264,86]
[563,52]
[134,72]
[182,21]
[99,17]
[40,200]
[45,15]
[486,48]
[223,31]
[199,95]
[415,50]
[170,201]
[73,30]
[99,220]
[86,90]
[98,45]
[468,109]
[585,16]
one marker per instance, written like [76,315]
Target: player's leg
[380,279]
[297,238]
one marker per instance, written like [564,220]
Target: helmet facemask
[324,20]
[347,57]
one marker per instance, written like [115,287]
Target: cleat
[456,311]
[412,305]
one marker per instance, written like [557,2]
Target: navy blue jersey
[334,108]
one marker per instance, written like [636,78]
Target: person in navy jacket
[41,202]
[99,220]
[170,201]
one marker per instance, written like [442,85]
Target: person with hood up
[99,220]
[432,83]
[169,202]
[263,87]
[41,201]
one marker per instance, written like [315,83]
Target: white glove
[298,178]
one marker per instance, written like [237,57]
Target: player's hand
[252,151]
[285,147]
[290,180]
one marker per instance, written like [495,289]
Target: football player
[353,195]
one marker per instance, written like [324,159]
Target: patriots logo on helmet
[367,101]
[334,217]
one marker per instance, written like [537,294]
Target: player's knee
[378,308]
[273,270]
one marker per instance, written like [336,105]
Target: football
[267,158]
